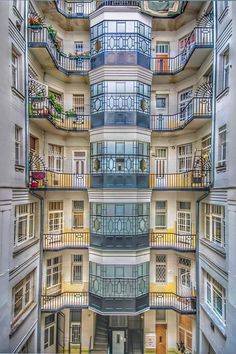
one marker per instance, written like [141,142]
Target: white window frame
[214,289]
[79,47]
[213,214]
[18,146]
[185,105]
[76,262]
[16,69]
[50,330]
[222,145]
[25,220]
[53,271]
[55,157]
[225,60]
[77,212]
[161,266]
[161,212]
[78,103]
[184,157]
[162,47]
[55,212]
[23,295]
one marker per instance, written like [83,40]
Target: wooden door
[161,338]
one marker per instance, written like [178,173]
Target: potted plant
[69,9]
[35,21]
[70,113]
[52,32]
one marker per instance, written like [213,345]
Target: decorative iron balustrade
[119,225]
[120,164]
[82,9]
[58,180]
[203,38]
[42,107]
[119,287]
[121,42]
[193,179]
[172,301]
[67,299]
[198,107]
[73,239]
[164,240]
[40,37]
[120,102]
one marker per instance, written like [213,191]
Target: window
[184,224]
[78,104]
[214,223]
[162,48]
[222,146]
[160,315]
[185,332]
[23,295]
[184,267]
[53,271]
[55,217]
[55,157]
[79,47]
[15,65]
[49,331]
[215,297]
[161,102]
[161,268]
[76,268]
[184,157]
[75,325]
[185,104]
[18,146]
[77,214]
[226,69]
[206,145]
[161,215]
[25,223]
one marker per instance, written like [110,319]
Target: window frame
[49,328]
[222,146]
[212,289]
[161,266]
[18,146]
[77,212]
[161,212]
[76,263]
[184,158]
[26,288]
[209,219]
[52,273]
[55,158]
[29,218]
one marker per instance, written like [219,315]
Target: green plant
[52,32]
[51,98]
[58,107]
[70,113]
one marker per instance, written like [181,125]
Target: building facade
[118,199]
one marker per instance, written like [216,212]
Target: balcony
[82,9]
[44,113]
[49,180]
[194,114]
[53,303]
[190,180]
[41,39]
[173,241]
[65,240]
[172,301]
[191,58]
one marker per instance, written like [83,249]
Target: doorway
[79,169]
[118,342]
[161,338]
[161,167]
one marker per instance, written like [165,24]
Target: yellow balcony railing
[58,180]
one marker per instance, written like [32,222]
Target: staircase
[101,335]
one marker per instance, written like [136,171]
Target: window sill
[214,247]
[19,168]
[24,246]
[17,323]
[18,93]
[223,14]
[217,322]
[223,93]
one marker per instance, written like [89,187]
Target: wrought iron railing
[164,240]
[169,300]
[202,37]
[64,300]
[58,180]
[42,107]
[120,102]
[121,42]
[82,9]
[73,239]
[198,107]
[193,179]
[119,287]
[40,37]
[119,225]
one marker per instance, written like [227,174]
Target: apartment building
[19,208]
[118,194]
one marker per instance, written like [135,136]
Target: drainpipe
[41,229]
[26,9]
[213,126]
